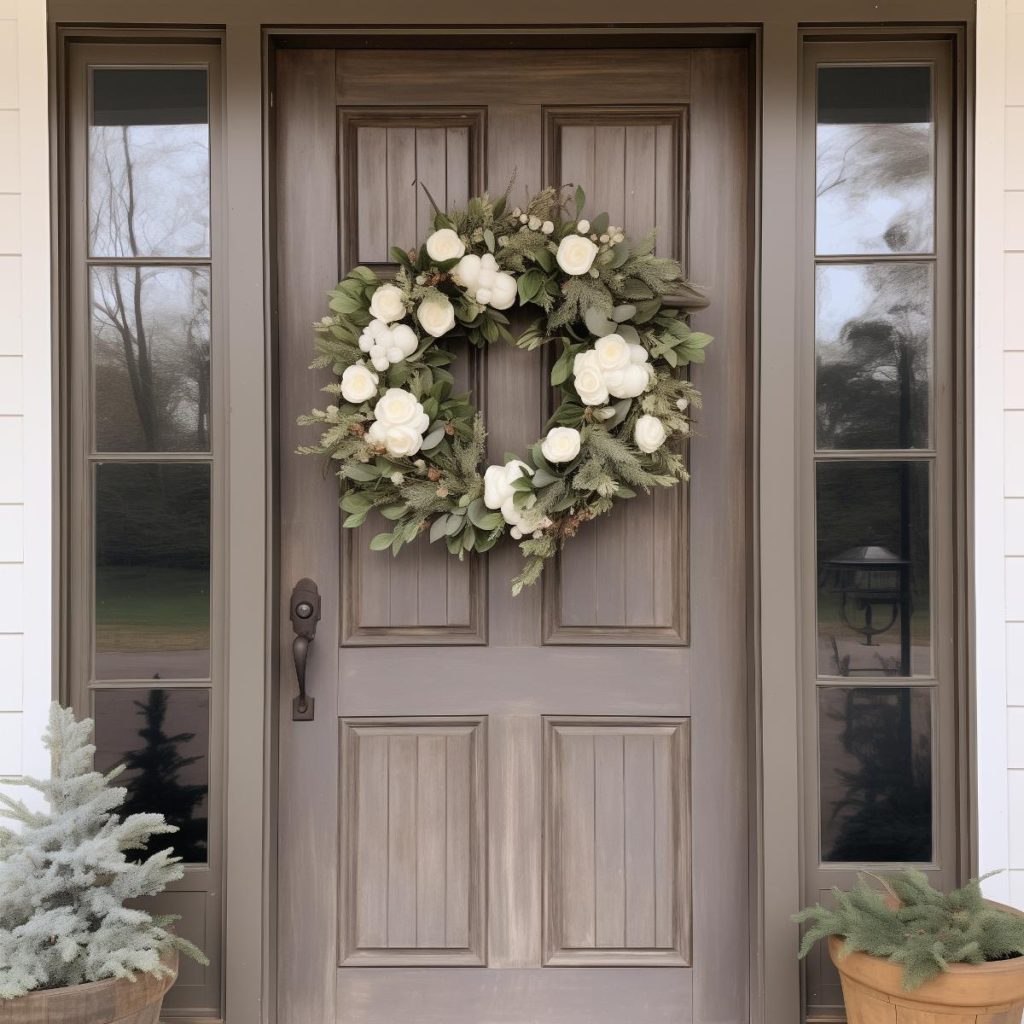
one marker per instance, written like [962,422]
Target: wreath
[408,446]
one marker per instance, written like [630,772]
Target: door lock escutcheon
[305,614]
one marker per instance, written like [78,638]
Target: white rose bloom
[561,445]
[436,316]
[576,254]
[358,384]
[399,423]
[498,482]
[590,385]
[388,303]
[445,244]
[503,291]
[613,353]
[649,434]
[634,378]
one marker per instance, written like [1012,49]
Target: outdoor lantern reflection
[874,589]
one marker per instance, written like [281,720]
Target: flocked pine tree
[65,877]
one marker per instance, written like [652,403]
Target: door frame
[250,31]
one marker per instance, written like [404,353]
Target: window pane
[152,571]
[875,176]
[151,355]
[163,739]
[149,163]
[873,569]
[873,331]
[876,773]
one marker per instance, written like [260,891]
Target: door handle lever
[305,614]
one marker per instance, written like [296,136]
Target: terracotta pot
[114,1001]
[965,994]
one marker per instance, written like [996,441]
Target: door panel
[518,803]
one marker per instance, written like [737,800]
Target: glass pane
[151,357]
[873,331]
[163,739]
[875,176]
[873,569]
[149,163]
[876,773]
[152,571]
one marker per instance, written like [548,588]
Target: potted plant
[910,952]
[72,949]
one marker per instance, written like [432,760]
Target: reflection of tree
[885,813]
[151,324]
[872,382]
[154,782]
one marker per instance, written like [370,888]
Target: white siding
[25,389]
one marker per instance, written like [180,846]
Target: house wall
[26,407]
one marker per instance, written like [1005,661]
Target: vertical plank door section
[517,776]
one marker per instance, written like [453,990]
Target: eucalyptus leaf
[597,323]
[438,528]
[381,542]
[624,312]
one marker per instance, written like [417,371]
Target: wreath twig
[412,449]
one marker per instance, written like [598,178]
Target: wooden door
[529,809]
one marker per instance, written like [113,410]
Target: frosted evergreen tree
[65,877]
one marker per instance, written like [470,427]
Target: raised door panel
[390,159]
[622,580]
[617,886]
[413,859]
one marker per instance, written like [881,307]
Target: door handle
[305,614]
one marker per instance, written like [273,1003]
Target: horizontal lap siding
[25,397]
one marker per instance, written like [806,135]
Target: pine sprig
[915,925]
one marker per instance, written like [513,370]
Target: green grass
[152,609]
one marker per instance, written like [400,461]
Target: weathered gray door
[526,809]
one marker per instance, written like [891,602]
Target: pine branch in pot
[71,948]
[910,952]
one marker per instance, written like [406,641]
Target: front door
[517,809]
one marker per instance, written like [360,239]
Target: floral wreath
[411,449]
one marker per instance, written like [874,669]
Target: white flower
[498,482]
[534,223]
[398,478]
[649,434]
[576,254]
[399,423]
[387,303]
[445,244]
[589,381]
[547,227]
[583,226]
[436,316]
[561,445]
[386,345]
[358,384]
[682,404]
[484,282]
[623,366]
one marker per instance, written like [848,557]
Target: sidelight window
[878,273]
[143,371]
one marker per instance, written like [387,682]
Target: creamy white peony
[624,366]
[445,244]
[562,444]
[358,384]
[484,282]
[399,423]
[576,254]
[589,380]
[386,344]
[436,316]
[498,482]
[387,303]
[649,434]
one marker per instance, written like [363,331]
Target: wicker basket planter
[991,993]
[114,1001]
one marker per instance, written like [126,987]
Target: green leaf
[355,501]
[562,368]
[543,477]
[621,412]
[454,545]
[581,198]
[434,438]
[468,537]
[354,520]
[489,239]
[634,289]
[597,323]
[438,528]
[381,542]
[529,284]
[545,258]
[629,333]
[646,310]
[394,512]
[521,484]
[622,313]
[364,274]
[456,521]
[399,255]
[361,472]
[599,225]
